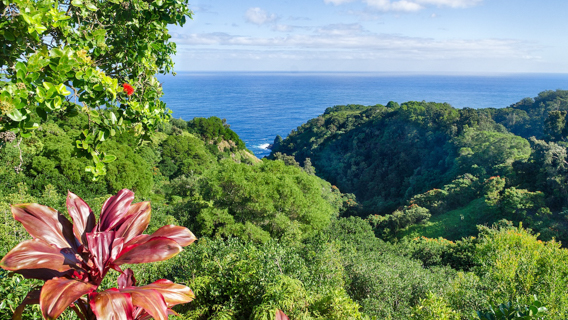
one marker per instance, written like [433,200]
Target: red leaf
[111,305]
[115,209]
[117,246]
[46,224]
[150,300]
[100,245]
[82,216]
[145,316]
[57,294]
[136,221]
[36,254]
[280,315]
[173,293]
[138,239]
[126,279]
[42,274]
[181,235]
[153,250]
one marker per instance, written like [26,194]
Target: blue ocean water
[259,106]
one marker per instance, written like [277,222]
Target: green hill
[392,156]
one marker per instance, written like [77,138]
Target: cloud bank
[355,41]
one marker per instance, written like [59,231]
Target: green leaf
[63,17]
[101,136]
[28,125]
[48,85]
[16,115]
[39,28]
[40,92]
[48,105]
[91,7]
[113,117]
[41,113]
[101,168]
[57,102]
[21,75]
[61,89]
[57,52]
[21,66]
[109,158]
[95,157]
[9,36]
[32,77]
[27,18]
[99,35]
[77,3]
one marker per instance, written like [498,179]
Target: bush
[515,266]
[235,279]
[281,200]
[387,227]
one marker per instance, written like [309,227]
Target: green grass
[452,225]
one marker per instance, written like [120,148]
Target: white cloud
[258,16]
[387,5]
[283,28]
[410,5]
[296,18]
[353,41]
[341,29]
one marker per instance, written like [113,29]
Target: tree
[62,58]
[555,125]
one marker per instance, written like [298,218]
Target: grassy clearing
[452,225]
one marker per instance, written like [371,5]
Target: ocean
[259,106]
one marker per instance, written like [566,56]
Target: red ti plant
[73,259]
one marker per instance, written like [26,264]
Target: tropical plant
[73,259]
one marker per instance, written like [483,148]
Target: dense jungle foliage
[429,222]
[424,168]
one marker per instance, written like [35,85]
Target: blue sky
[416,36]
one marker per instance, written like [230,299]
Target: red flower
[128,89]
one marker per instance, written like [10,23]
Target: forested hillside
[273,235]
[414,168]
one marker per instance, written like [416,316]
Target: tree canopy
[63,58]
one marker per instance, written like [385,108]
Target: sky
[391,36]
